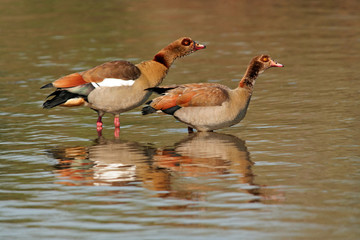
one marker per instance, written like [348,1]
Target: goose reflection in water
[207,156]
[201,163]
[108,162]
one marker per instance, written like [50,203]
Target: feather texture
[210,106]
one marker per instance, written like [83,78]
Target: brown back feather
[201,94]
[114,69]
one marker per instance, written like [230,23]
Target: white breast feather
[113,82]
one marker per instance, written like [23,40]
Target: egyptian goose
[210,106]
[117,86]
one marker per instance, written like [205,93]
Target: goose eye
[186,42]
[265,59]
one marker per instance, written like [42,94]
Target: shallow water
[289,170]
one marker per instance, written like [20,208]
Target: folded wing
[192,95]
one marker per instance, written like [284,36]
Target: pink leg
[117,122]
[99,124]
[117,127]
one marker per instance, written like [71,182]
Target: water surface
[289,170]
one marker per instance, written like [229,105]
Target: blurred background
[289,170]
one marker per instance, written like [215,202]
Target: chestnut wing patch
[202,95]
[192,95]
[122,70]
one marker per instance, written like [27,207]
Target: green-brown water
[289,170]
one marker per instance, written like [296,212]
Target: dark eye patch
[265,59]
[186,42]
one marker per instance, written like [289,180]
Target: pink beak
[275,64]
[198,46]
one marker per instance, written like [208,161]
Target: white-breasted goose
[210,106]
[117,86]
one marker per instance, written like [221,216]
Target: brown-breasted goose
[210,106]
[117,86]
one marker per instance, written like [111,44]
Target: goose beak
[198,46]
[275,64]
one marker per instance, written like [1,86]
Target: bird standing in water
[117,86]
[210,106]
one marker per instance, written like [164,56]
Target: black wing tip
[148,110]
[160,90]
[171,110]
[49,85]
[47,105]
[60,97]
